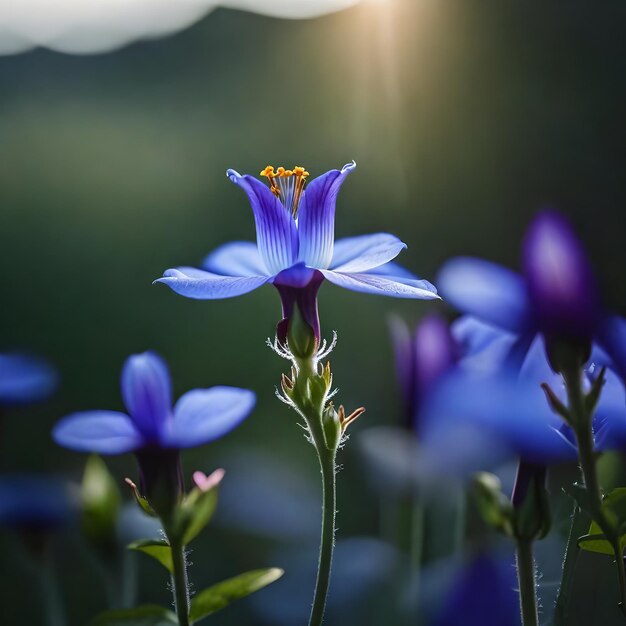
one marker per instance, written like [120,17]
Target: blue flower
[296,250]
[422,358]
[483,594]
[556,296]
[24,379]
[486,411]
[198,417]
[31,502]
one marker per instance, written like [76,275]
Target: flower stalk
[580,416]
[527,582]
[180,583]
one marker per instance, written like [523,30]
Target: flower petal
[359,254]
[610,416]
[488,348]
[276,233]
[201,285]
[395,287]
[397,271]
[487,291]
[104,432]
[238,258]
[492,412]
[25,379]
[316,218]
[612,337]
[147,393]
[203,415]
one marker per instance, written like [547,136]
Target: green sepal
[194,513]
[592,398]
[222,594]
[147,615]
[158,549]
[300,336]
[143,503]
[101,500]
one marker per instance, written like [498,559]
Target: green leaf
[100,499]
[595,543]
[614,505]
[221,595]
[158,549]
[196,512]
[147,615]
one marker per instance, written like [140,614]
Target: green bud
[494,506]
[531,506]
[100,499]
[332,426]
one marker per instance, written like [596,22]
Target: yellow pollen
[287,185]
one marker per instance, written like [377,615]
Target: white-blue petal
[203,415]
[367,252]
[201,285]
[395,287]
[104,432]
[237,258]
[487,291]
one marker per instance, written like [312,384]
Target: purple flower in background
[31,502]
[153,429]
[556,296]
[199,416]
[422,358]
[483,594]
[25,379]
[490,413]
[296,250]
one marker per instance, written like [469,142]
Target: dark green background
[464,119]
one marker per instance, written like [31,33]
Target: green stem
[52,602]
[327,542]
[578,527]
[180,584]
[527,583]
[582,426]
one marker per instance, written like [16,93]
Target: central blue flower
[296,249]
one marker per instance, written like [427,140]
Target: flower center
[287,185]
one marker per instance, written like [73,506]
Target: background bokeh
[464,119]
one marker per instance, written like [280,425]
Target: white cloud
[92,26]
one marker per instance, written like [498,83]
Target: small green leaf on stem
[158,549]
[221,595]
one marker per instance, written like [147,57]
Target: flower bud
[333,428]
[561,286]
[530,502]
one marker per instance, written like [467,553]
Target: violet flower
[296,250]
[151,428]
[556,296]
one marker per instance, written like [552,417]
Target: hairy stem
[180,584]
[327,541]
[527,582]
